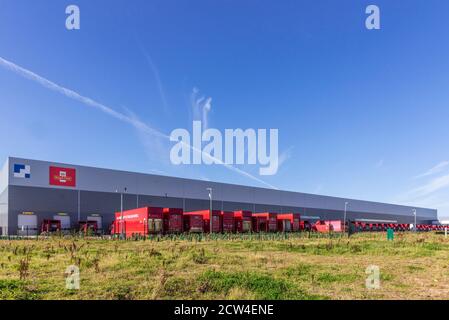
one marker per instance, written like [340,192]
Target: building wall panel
[4,212]
[4,176]
[98,195]
[43,202]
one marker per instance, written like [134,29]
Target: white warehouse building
[31,191]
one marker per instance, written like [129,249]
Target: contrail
[76,96]
[157,78]
[136,123]
[154,69]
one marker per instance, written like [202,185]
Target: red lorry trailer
[327,226]
[288,222]
[259,224]
[305,225]
[173,222]
[141,221]
[321,226]
[243,221]
[193,222]
[265,222]
[49,226]
[336,225]
[216,220]
[88,226]
[228,219]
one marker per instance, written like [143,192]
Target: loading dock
[65,222]
[27,224]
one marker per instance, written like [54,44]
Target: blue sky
[361,113]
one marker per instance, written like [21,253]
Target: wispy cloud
[434,170]
[284,156]
[155,71]
[132,120]
[380,163]
[436,201]
[76,96]
[318,189]
[431,194]
[432,186]
[201,106]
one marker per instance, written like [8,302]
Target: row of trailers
[153,220]
[367,227]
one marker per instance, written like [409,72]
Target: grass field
[413,266]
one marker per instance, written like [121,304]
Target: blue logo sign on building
[22,171]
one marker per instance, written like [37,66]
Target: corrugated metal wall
[96,189]
[4,212]
[4,176]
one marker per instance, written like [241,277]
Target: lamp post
[344,216]
[414,213]
[210,209]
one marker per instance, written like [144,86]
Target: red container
[88,226]
[228,221]
[49,226]
[293,223]
[216,219]
[337,226]
[243,221]
[321,226]
[270,223]
[173,220]
[141,221]
[305,225]
[259,224]
[333,225]
[284,225]
[193,222]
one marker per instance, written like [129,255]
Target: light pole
[210,209]
[414,213]
[122,233]
[344,217]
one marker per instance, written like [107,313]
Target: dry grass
[413,266]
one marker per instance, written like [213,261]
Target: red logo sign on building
[65,177]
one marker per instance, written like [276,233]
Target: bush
[199,257]
[17,290]
[121,292]
[263,286]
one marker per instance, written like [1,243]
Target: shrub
[263,286]
[200,257]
